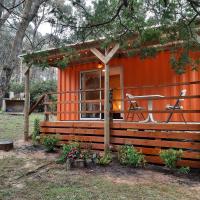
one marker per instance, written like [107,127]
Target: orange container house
[93,104]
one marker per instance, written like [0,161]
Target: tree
[29,12]
[163,21]
[6,9]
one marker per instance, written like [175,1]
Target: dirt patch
[115,172]
[27,150]
[151,174]
[29,164]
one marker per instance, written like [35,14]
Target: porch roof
[78,53]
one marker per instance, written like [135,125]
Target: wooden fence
[148,138]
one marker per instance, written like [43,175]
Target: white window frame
[84,118]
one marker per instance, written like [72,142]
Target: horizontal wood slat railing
[67,99]
[162,85]
[163,98]
[124,111]
[150,139]
[124,100]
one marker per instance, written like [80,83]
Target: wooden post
[111,104]
[46,100]
[27,104]
[105,59]
[107,109]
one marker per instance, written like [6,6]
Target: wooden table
[150,105]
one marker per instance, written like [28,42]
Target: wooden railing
[67,105]
[149,138]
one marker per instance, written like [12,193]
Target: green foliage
[104,160]
[87,152]
[184,170]
[37,88]
[66,149]
[151,35]
[148,52]
[36,131]
[180,63]
[128,155]
[154,21]
[50,143]
[62,63]
[17,87]
[40,59]
[170,157]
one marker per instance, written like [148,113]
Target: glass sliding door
[90,83]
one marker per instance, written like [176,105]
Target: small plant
[67,148]
[128,155]
[170,157]
[87,152]
[36,132]
[50,143]
[74,153]
[104,160]
[184,170]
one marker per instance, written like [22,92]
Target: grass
[57,183]
[11,126]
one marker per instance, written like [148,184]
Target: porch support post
[107,108]
[27,104]
[105,59]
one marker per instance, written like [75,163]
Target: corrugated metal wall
[136,72]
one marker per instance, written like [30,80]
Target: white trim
[85,71]
[67,45]
[121,74]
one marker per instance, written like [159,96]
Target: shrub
[50,143]
[66,149]
[128,155]
[104,160]
[36,131]
[73,154]
[170,157]
[17,87]
[37,88]
[184,170]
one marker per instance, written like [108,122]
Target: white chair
[177,106]
[133,106]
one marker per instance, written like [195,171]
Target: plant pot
[69,164]
[79,163]
[88,162]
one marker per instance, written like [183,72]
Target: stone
[79,163]
[6,145]
[69,164]
[89,163]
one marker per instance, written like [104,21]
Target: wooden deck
[149,138]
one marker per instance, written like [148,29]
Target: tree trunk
[29,12]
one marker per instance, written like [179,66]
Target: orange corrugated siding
[136,72]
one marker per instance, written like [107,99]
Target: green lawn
[11,126]
[53,182]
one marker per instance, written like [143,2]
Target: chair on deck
[176,106]
[133,106]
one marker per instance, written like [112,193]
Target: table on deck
[150,105]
